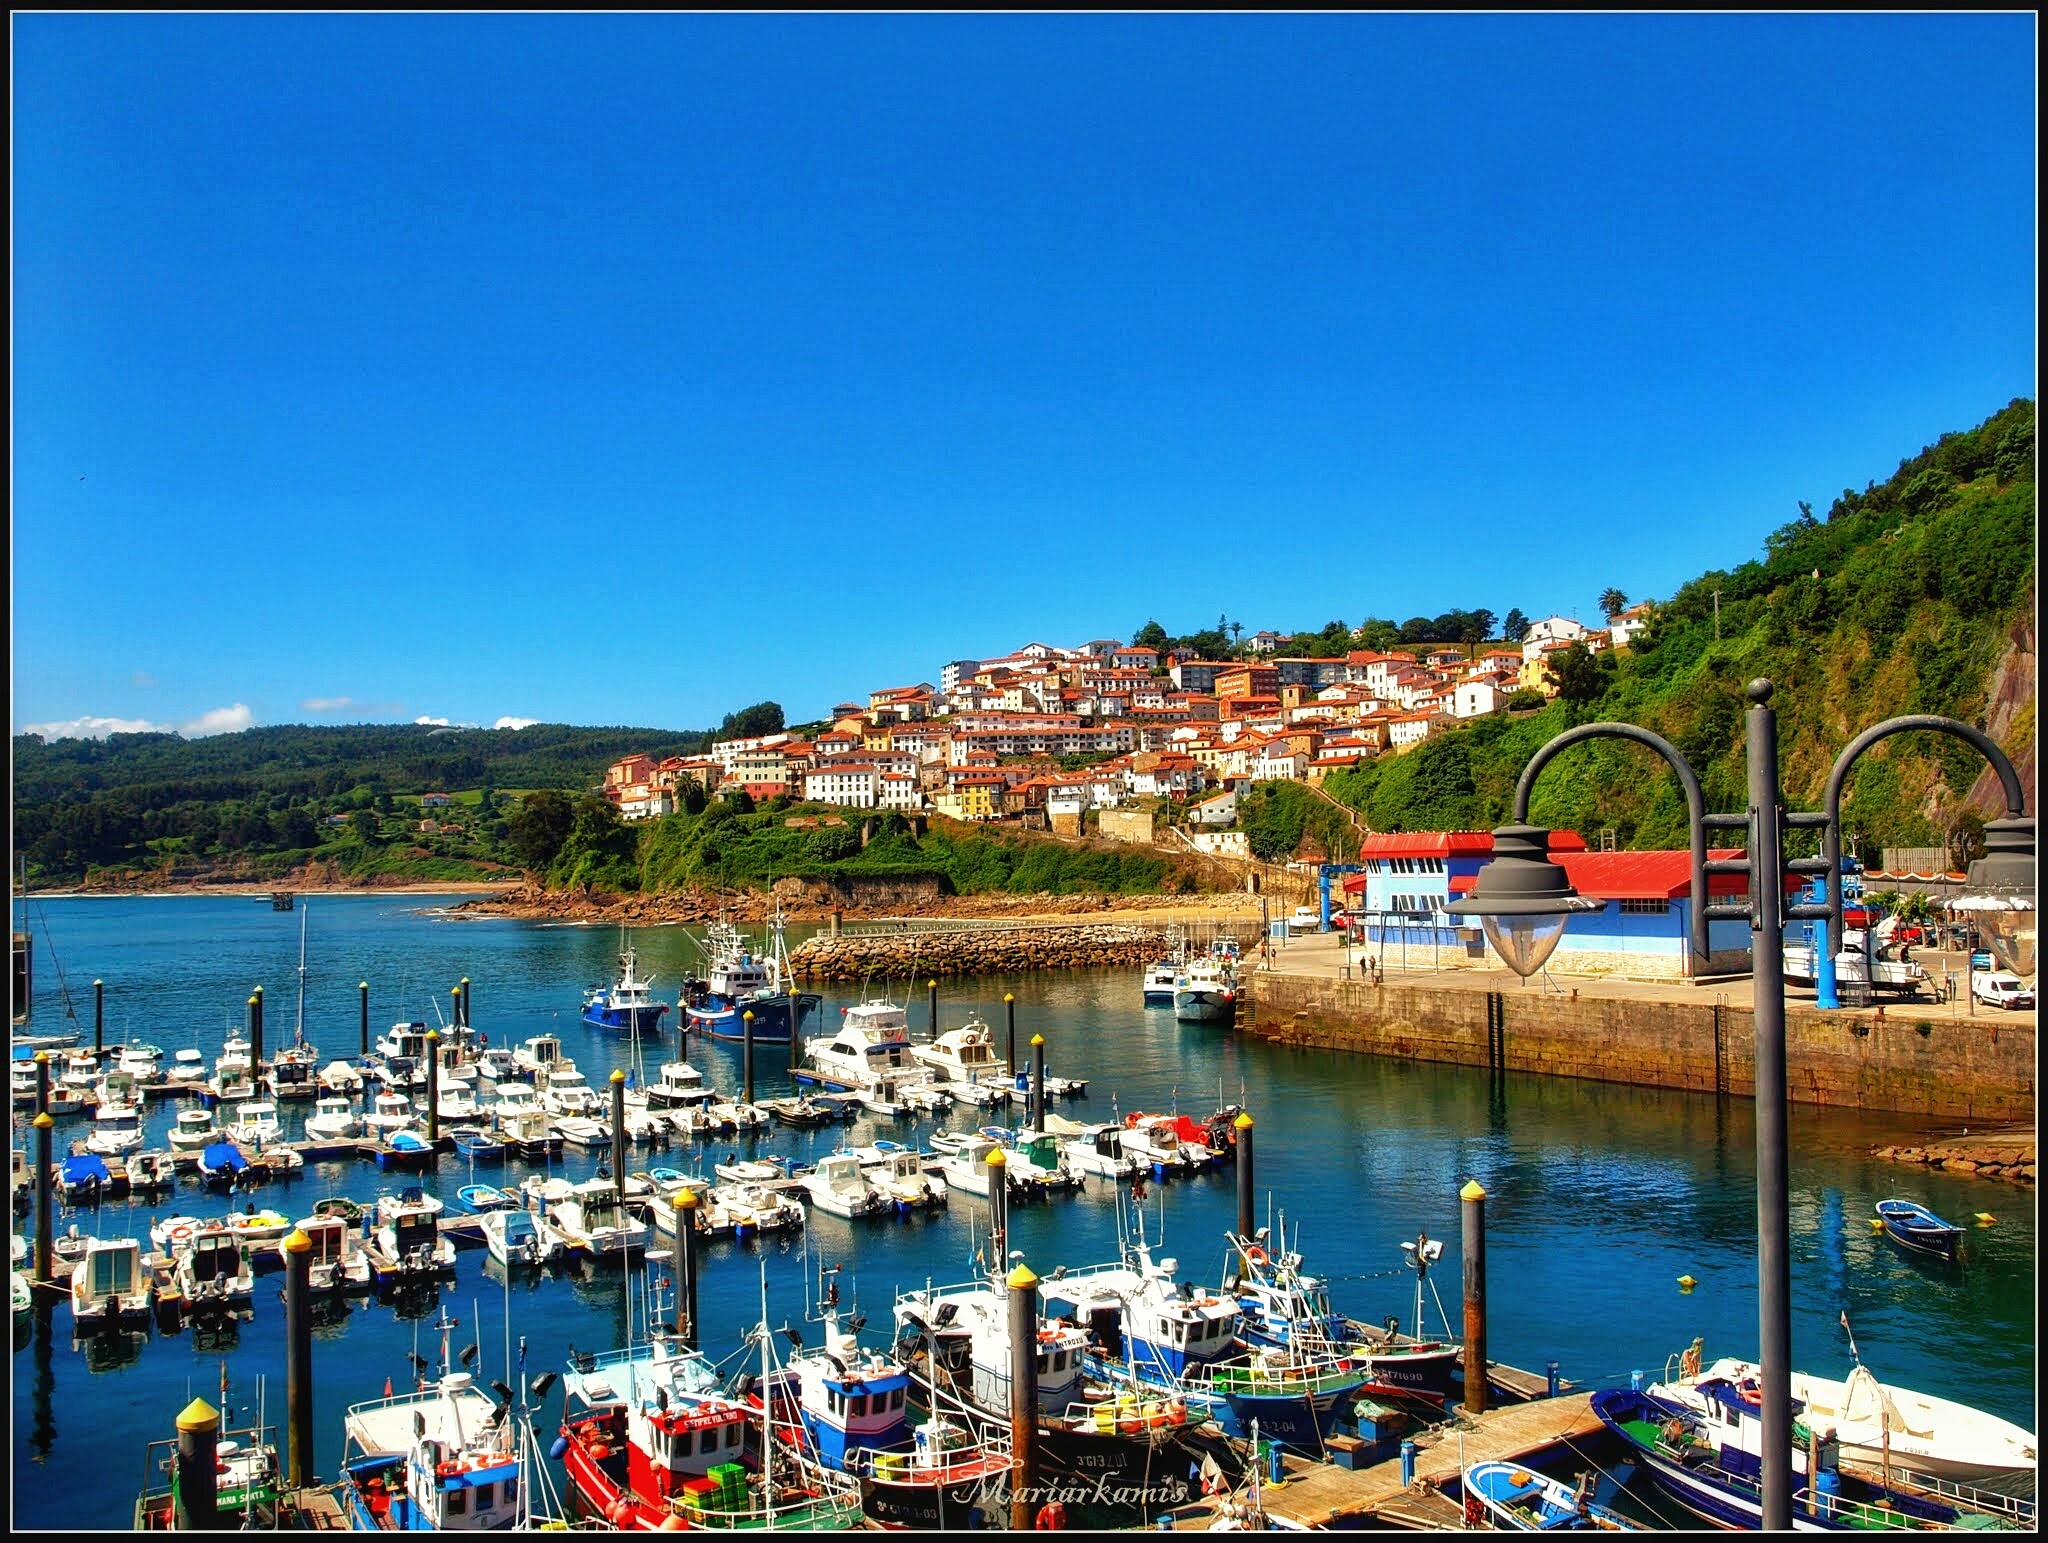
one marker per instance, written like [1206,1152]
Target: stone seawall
[977,951]
[1940,1068]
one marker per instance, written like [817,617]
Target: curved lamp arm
[1831,804]
[1695,805]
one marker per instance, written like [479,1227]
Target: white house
[848,781]
[1067,795]
[1474,699]
[1407,730]
[1280,761]
[1219,810]
[898,790]
[1630,622]
[1552,629]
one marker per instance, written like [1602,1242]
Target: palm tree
[1612,603]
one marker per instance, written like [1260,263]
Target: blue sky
[630,369]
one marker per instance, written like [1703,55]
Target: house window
[1645,907]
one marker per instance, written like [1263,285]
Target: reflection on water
[1600,1196]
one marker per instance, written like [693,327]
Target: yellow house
[877,737]
[974,801]
[1535,674]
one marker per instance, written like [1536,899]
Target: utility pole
[1717,616]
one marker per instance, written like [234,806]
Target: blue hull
[1301,1421]
[721,1019]
[622,1018]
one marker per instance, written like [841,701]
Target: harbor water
[1600,1197]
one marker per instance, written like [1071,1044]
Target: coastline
[265,891]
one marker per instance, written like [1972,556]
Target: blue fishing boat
[1709,1460]
[1523,1501]
[221,1165]
[1911,1225]
[83,1180]
[627,1003]
[402,1152]
[479,1198]
[740,982]
[479,1146]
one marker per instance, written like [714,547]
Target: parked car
[2002,988]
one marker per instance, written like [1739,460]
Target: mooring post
[99,1018]
[1550,1378]
[619,1136]
[796,1043]
[433,1089]
[998,1209]
[1476,1389]
[747,1056]
[45,1251]
[1247,1214]
[1038,1082]
[467,1021]
[1407,1464]
[1023,1395]
[931,1017]
[363,994]
[298,1366]
[198,1481]
[255,1034]
[1010,1036]
[686,1267]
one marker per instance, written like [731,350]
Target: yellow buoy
[1985,1218]
[1877,1224]
[1686,1283]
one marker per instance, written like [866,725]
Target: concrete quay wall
[1971,1069]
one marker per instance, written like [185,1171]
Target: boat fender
[1475,1510]
[1051,1517]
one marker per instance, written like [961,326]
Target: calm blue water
[1600,1196]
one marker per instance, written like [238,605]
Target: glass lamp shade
[2009,929]
[1525,943]
[2001,898]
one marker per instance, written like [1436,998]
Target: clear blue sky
[635,368]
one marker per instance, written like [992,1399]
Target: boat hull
[644,1020]
[725,1020]
[1204,1007]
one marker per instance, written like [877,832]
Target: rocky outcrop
[911,953]
[2004,1158]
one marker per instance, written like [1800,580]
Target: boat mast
[299,1033]
[767,1406]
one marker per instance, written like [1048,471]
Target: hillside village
[1082,738]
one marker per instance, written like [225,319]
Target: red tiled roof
[1650,875]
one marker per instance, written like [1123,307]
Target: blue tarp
[83,1170]
[223,1154]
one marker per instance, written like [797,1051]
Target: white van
[2002,988]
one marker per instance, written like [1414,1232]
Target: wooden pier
[1321,1495]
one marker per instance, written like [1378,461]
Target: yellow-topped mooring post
[198,1481]
[434,1089]
[1477,1391]
[46,1274]
[931,1021]
[1010,1035]
[747,1056]
[298,1365]
[686,1267]
[998,1208]
[1037,1082]
[363,991]
[1023,1395]
[1247,1182]
[618,1080]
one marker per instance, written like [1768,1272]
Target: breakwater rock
[1992,1157]
[936,951]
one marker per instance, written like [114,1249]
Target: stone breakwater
[976,951]
[1990,1158]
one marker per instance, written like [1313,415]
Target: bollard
[99,1019]
[256,1035]
[1476,1389]
[686,1267]
[45,1244]
[998,1209]
[1010,1036]
[1407,1464]
[1038,1082]
[197,1480]
[747,1056]
[1023,1396]
[1635,1381]
[1246,1214]
[1550,1378]
[298,1366]
[363,991]
[619,1136]
[1276,1455]
[433,1089]
[931,1020]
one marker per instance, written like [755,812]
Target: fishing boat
[676,1084]
[337,1261]
[213,1272]
[1206,992]
[390,1113]
[1099,1150]
[248,1482]
[447,1458]
[399,1058]
[478,1145]
[257,1127]
[838,1185]
[142,1062]
[538,1055]
[1163,973]
[109,1287]
[563,1091]
[1877,1424]
[748,1210]
[1911,1225]
[188,1067]
[513,1238]
[234,1072]
[530,1133]
[294,1073]
[457,1102]
[578,1131]
[627,1003]
[83,1179]
[117,1127]
[151,1172]
[1156,1142]
[802,1113]
[280,1162]
[966,1167]
[849,1407]
[195,1130]
[1520,1500]
[1038,1163]
[1709,1462]
[221,1164]
[477,1199]
[410,1199]
[333,1119]
[409,1236]
[739,982]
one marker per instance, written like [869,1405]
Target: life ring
[1752,1396]
[1255,1254]
[447,1470]
[1051,1517]
[180,1233]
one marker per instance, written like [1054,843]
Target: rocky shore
[1995,1155]
[913,952]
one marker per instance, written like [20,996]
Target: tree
[1236,631]
[1416,629]
[1612,603]
[365,825]
[540,826]
[1477,627]
[1576,674]
[752,722]
[1377,634]
[1151,635]
[1515,627]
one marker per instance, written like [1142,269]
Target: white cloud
[327,704]
[142,678]
[423,718]
[94,728]
[220,720]
[509,722]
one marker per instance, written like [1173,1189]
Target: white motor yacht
[194,1131]
[677,1083]
[390,1113]
[838,1185]
[257,1126]
[187,1066]
[342,1077]
[964,1058]
[333,1119]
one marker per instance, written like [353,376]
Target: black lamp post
[1524,901]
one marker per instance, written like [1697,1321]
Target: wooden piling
[198,1478]
[1247,1212]
[99,1018]
[298,1366]
[619,1136]
[1474,1211]
[1023,1395]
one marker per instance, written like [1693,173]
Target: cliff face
[2009,717]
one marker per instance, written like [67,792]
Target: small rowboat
[1911,1225]
[339,1205]
[479,1198]
[1522,1501]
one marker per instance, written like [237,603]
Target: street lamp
[1524,909]
[2001,893]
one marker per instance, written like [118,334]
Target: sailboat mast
[767,1407]
[299,1033]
